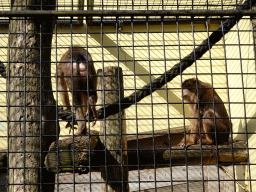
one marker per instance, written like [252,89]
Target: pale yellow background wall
[241,82]
[3,108]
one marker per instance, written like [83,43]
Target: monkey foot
[205,142]
[183,145]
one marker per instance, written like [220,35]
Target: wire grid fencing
[142,52]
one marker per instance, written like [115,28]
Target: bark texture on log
[235,152]
[32,109]
[73,153]
[114,174]
[228,153]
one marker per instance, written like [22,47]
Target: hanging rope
[177,69]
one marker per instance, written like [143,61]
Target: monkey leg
[208,128]
[80,121]
[215,129]
[222,132]
[191,136]
[92,99]
[62,87]
[92,109]
[79,108]
[184,142]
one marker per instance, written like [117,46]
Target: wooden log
[226,153]
[71,153]
[113,132]
[32,126]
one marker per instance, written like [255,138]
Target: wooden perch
[72,153]
[235,152]
[160,156]
[227,153]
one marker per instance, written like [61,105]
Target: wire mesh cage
[127,95]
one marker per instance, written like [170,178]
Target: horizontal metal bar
[30,13]
[155,21]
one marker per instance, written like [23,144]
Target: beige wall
[241,81]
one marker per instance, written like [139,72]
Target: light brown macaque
[210,123]
[79,76]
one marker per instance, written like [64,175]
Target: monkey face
[189,87]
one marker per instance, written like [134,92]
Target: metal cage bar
[153,58]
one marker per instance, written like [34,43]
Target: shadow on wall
[251,127]
[243,128]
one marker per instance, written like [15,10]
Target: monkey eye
[188,87]
[191,88]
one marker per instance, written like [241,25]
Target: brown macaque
[210,123]
[79,76]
